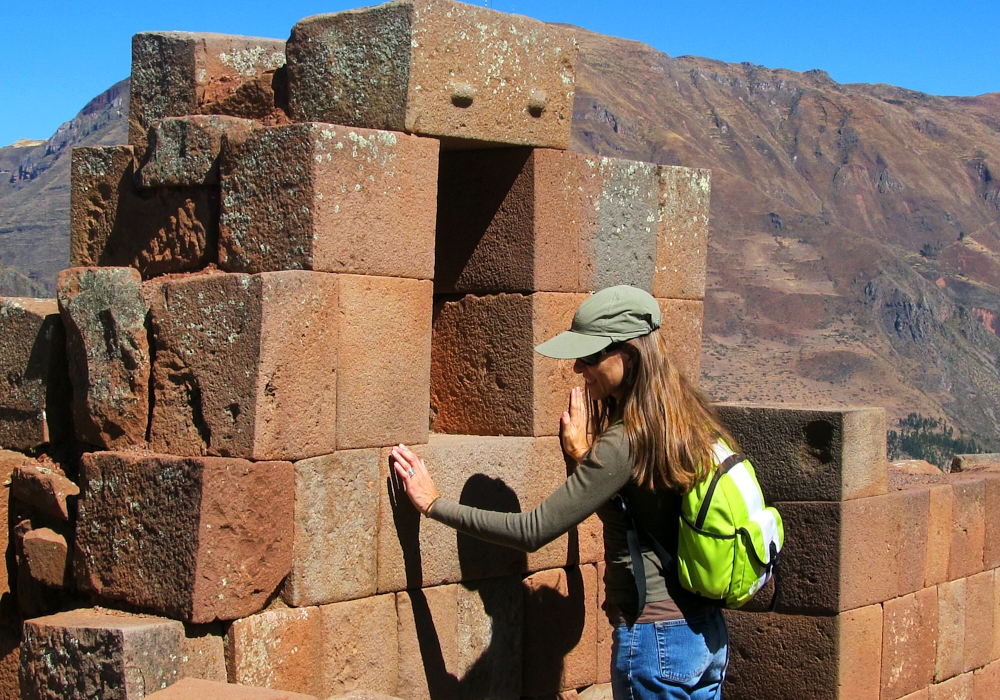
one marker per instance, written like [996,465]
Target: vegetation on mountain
[928,439]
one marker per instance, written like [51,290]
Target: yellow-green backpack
[728,544]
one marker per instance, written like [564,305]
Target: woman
[647,435]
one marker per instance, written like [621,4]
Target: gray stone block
[812,454]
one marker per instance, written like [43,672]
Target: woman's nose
[578,367]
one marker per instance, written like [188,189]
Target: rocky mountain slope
[34,194]
[854,251]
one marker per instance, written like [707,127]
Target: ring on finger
[409,471]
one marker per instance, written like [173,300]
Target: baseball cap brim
[569,345]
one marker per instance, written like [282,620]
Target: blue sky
[58,55]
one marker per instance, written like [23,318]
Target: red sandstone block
[461,641]
[979,620]
[991,511]
[986,682]
[996,615]
[203,654]
[605,631]
[383,377]
[921,694]
[682,322]
[682,232]
[194,689]
[952,615]
[114,224]
[841,556]
[860,652]
[807,645]
[811,454]
[939,524]
[526,220]
[197,538]
[245,365]
[107,346]
[909,637]
[47,556]
[496,473]
[332,198]
[434,68]
[34,403]
[336,526]
[278,649]
[957,688]
[94,653]
[486,378]
[43,488]
[184,151]
[9,461]
[968,527]
[10,651]
[179,73]
[560,630]
[360,639]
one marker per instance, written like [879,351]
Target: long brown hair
[670,426]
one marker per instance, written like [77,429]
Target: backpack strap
[635,554]
[727,464]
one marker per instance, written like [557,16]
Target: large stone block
[34,400]
[359,642]
[782,657]
[334,550]
[909,639]
[986,681]
[278,649]
[9,462]
[605,630]
[107,348]
[44,488]
[938,559]
[175,74]
[204,654]
[860,653]
[46,554]
[980,618]
[682,324]
[968,530]
[461,642]
[155,231]
[486,378]
[383,379]
[952,604]
[184,151]
[197,538]
[812,454]
[991,513]
[560,630]
[245,365]
[682,232]
[840,556]
[92,653]
[332,198]
[527,220]
[497,473]
[195,689]
[437,68]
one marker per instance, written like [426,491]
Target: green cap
[610,316]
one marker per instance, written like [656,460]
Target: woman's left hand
[417,481]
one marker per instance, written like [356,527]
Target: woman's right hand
[573,427]
[417,481]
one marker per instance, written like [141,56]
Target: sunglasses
[595,358]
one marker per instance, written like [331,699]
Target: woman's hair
[670,427]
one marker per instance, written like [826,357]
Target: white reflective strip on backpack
[748,488]
[769,529]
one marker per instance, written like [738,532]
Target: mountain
[854,245]
[854,253]
[34,194]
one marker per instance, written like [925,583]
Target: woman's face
[605,378]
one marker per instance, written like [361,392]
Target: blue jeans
[677,659]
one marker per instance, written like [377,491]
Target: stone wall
[315,249]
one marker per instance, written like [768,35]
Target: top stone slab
[435,68]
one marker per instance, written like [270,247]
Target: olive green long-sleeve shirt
[606,471]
